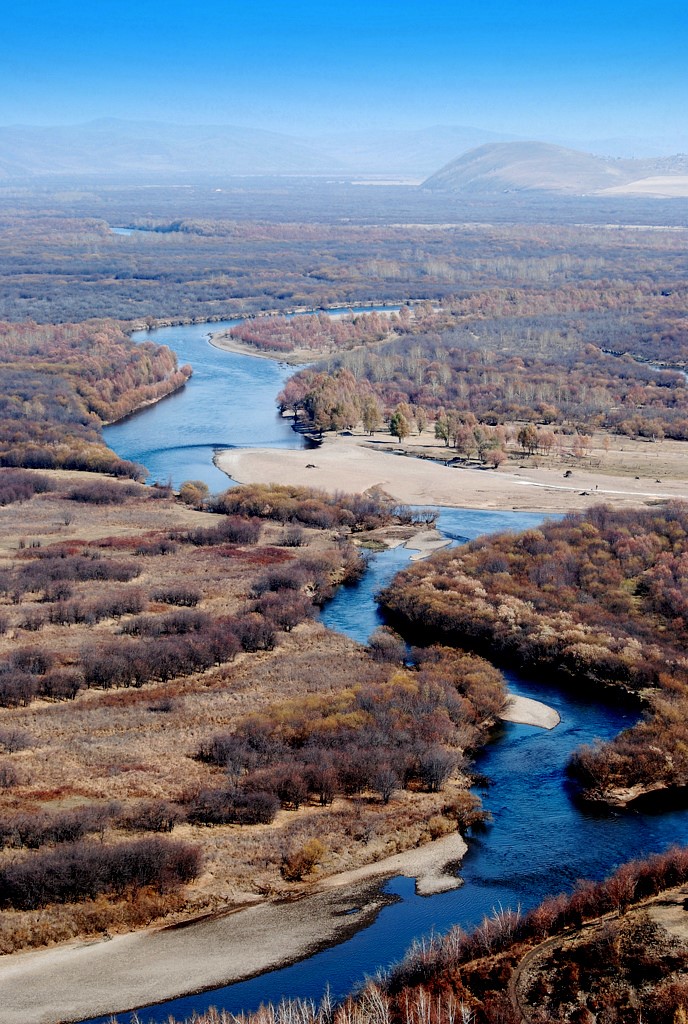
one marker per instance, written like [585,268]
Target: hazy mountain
[540,167]
[410,153]
[114,147]
[152,151]
[117,147]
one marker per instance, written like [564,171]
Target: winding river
[540,841]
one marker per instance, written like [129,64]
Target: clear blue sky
[531,67]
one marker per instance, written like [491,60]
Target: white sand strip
[342,464]
[526,711]
[89,979]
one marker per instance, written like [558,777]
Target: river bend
[540,840]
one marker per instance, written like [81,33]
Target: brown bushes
[104,492]
[305,505]
[36,830]
[19,485]
[184,597]
[150,816]
[231,807]
[81,871]
[598,599]
[231,530]
[410,731]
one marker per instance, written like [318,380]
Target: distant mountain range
[500,168]
[153,152]
[113,147]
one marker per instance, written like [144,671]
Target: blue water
[356,615]
[540,841]
[228,402]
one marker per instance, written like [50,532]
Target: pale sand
[427,864]
[425,542]
[88,979]
[343,464]
[525,711]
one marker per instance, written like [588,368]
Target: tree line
[60,384]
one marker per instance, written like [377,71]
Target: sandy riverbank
[526,711]
[87,979]
[346,464]
[297,357]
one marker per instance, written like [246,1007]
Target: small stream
[540,840]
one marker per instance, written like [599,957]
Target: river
[540,840]
[229,402]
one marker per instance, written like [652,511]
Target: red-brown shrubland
[597,599]
[154,650]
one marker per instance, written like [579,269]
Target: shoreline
[148,402]
[90,978]
[298,357]
[133,326]
[351,464]
[295,357]
[95,977]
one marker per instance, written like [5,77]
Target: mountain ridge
[152,150]
[528,166]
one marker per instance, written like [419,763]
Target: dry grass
[126,745]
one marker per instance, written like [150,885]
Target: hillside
[116,148]
[141,149]
[540,167]
[111,146]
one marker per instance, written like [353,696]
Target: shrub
[151,816]
[32,659]
[17,688]
[79,871]
[13,739]
[232,807]
[232,530]
[9,777]
[62,684]
[33,620]
[19,485]
[254,632]
[285,609]
[173,624]
[122,602]
[194,493]
[294,536]
[284,577]
[303,861]
[184,597]
[36,830]
[104,492]
[387,646]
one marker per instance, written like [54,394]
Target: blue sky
[544,68]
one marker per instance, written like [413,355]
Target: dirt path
[666,909]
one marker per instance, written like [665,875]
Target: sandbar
[526,711]
[87,979]
[347,464]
